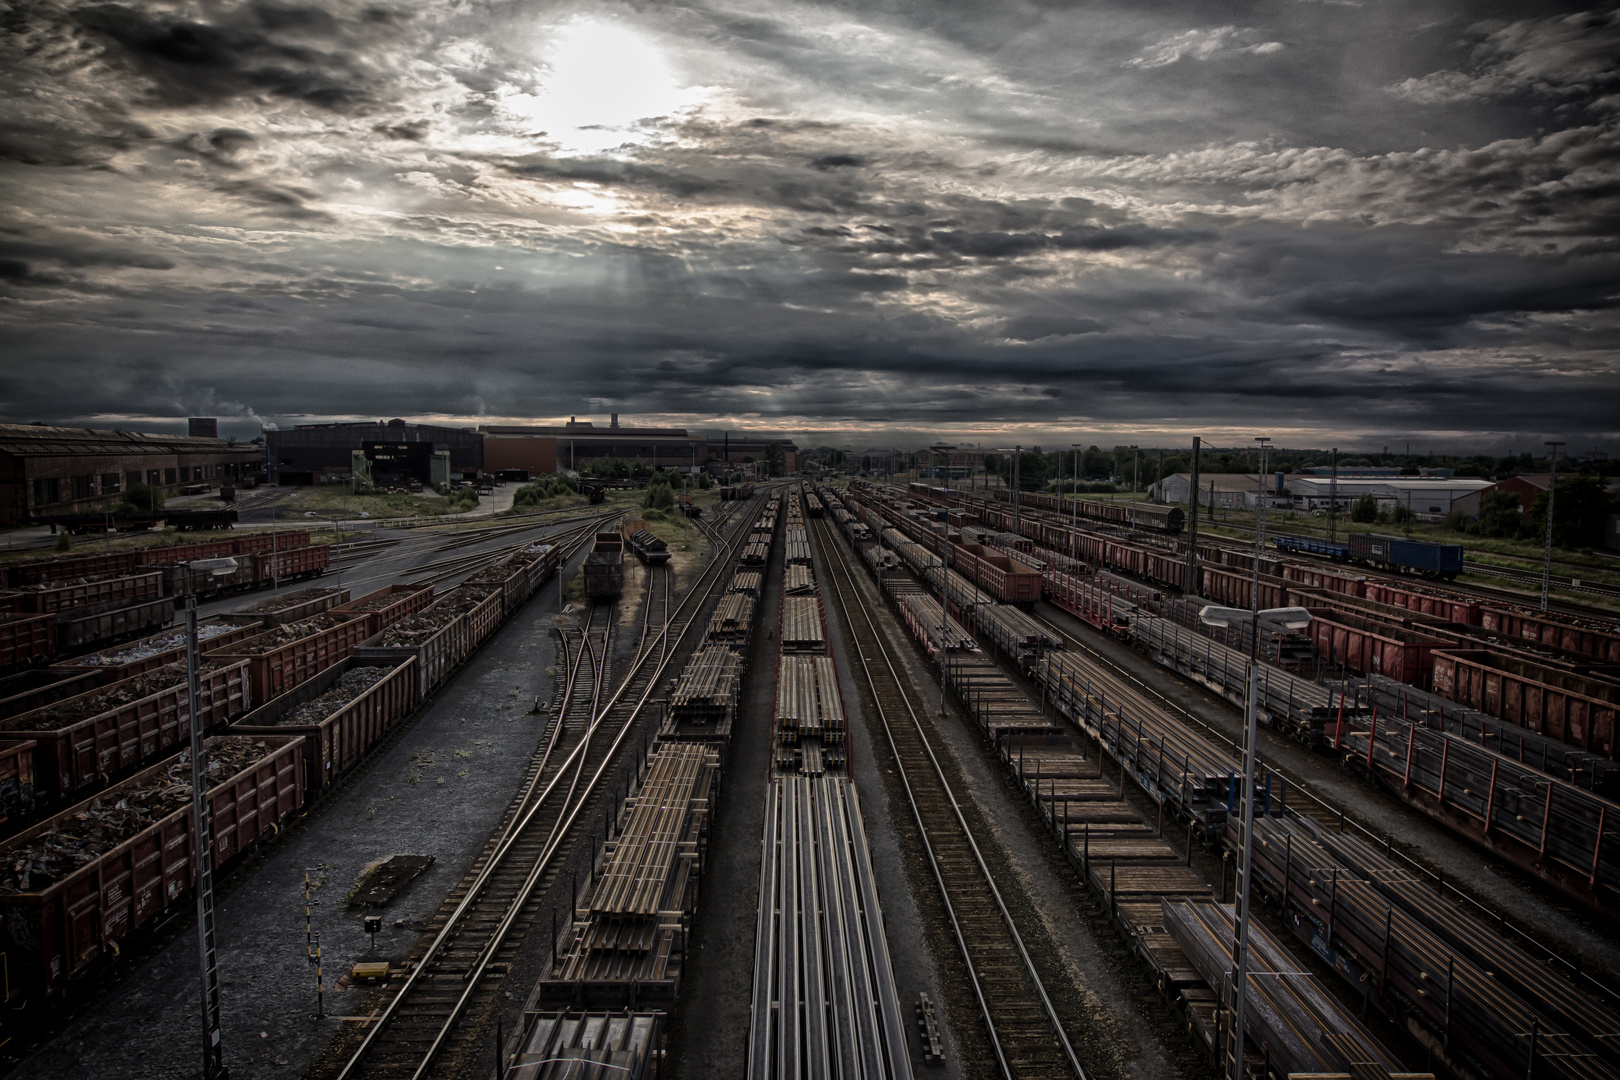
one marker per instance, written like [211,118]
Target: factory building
[539,449]
[1427,496]
[54,470]
[324,453]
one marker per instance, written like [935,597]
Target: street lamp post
[1546,562]
[1293,619]
[202,829]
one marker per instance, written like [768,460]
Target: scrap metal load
[81,882]
[648,548]
[604,567]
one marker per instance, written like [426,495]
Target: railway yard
[856,781]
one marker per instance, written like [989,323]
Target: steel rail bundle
[1543,752]
[1027,1035]
[825,1001]
[1572,860]
[1356,706]
[1302,1028]
[1124,859]
[524,856]
[1491,1006]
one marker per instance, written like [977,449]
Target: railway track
[459,566]
[1025,1027]
[437,1021]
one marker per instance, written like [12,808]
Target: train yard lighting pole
[1074,511]
[202,847]
[1291,618]
[1190,582]
[1546,561]
[944,603]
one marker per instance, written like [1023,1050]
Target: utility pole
[1333,498]
[1018,452]
[213,1062]
[1190,582]
[1159,479]
[1240,951]
[1546,562]
[1074,511]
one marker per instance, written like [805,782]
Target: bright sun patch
[602,81]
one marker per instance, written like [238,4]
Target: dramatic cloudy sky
[1327,220]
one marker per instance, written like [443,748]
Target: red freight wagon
[179,553]
[26,638]
[30,690]
[1168,570]
[1007,580]
[43,570]
[81,743]
[298,562]
[1574,710]
[16,781]
[57,931]
[275,666]
[293,607]
[1368,647]
[1236,589]
[150,653]
[281,540]
[439,637]
[146,585]
[1577,639]
[1447,608]
[1315,577]
[387,605]
[336,742]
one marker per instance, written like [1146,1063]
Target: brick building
[55,470]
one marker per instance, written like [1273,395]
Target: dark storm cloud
[1318,216]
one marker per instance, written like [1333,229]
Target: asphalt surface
[438,789]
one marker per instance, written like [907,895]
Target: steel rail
[520,824]
[1050,1010]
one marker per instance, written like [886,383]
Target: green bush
[1364,510]
[143,498]
[704,482]
[547,487]
[659,496]
[62,541]
[460,499]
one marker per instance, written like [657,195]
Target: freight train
[54,607]
[1135,515]
[1438,561]
[123,719]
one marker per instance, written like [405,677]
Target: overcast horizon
[1327,221]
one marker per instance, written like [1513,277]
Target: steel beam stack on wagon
[825,1001]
